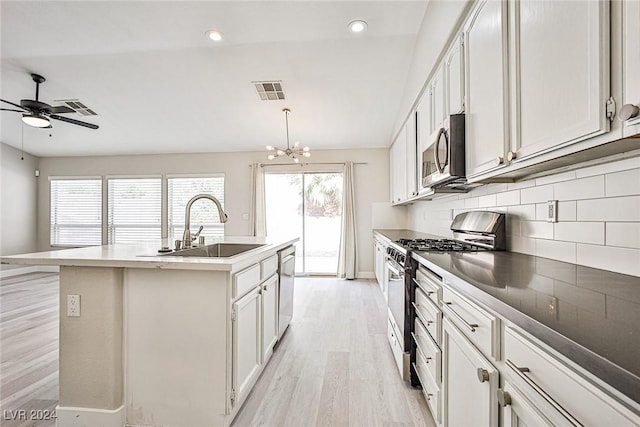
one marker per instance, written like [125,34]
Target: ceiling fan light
[271,157]
[214,35]
[280,152]
[36,121]
[305,149]
[295,159]
[306,154]
[270,148]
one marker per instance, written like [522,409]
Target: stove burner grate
[442,245]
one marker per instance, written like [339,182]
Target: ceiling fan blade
[74,122]
[15,105]
[62,109]
[9,109]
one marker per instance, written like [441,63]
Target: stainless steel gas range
[473,231]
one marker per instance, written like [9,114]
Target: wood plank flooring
[334,366]
[29,310]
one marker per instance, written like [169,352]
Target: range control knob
[628,111]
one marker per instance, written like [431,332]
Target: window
[134,210]
[76,212]
[203,212]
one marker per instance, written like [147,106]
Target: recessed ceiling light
[214,35]
[357,26]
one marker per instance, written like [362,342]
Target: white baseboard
[366,275]
[69,416]
[31,269]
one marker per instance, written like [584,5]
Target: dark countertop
[589,315]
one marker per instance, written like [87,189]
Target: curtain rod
[309,164]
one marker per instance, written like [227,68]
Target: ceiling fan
[37,114]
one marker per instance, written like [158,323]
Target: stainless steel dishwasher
[287,272]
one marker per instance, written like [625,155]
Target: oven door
[435,160]
[395,288]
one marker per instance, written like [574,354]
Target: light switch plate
[552,211]
[73,305]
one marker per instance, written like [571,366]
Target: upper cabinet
[411,157]
[423,133]
[397,167]
[629,111]
[454,70]
[438,99]
[486,87]
[560,73]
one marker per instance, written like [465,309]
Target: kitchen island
[150,339]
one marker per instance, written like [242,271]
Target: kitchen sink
[218,250]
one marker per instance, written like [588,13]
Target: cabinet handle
[266,288]
[472,326]
[521,373]
[504,398]
[483,375]
[628,111]
[499,160]
[426,292]
[511,155]
[428,322]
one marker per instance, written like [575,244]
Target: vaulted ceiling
[160,86]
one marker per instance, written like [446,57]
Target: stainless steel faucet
[186,236]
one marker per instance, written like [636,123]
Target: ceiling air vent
[270,91]
[77,106]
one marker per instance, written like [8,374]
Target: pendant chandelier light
[293,152]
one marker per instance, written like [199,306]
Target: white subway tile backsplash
[522,245]
[562,251]
[624,234]
[487,201]
[527,212]
[536,194]
[559,177]
[541,211]
[567,211]
[508,198]
[536,229]
[620,165]
[496,188]
[471,203]
[622,260]
[582,232]
[626,183]
[610,209]
[520,185]
[585,188]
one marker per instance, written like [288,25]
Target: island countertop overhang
[146,255]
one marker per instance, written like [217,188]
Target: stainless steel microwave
[443,161]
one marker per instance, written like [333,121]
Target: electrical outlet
[552,211]
[73,305]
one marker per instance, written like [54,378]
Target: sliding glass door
[307,205]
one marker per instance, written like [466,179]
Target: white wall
[371,183]
[18,201]
[598,215]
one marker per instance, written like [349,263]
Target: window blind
[203,212]
[134,210]
[76,212]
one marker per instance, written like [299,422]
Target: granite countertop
[147,256]
[591,316]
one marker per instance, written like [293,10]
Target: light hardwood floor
[29,349]
[334,366]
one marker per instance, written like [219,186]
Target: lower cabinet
[269,315]
[247,351]
[470,382]
[518,411]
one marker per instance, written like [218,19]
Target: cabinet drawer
[478,326]
[430,315]
[429,350]
[568,397]
[396,348]
[430,284]
[268,266]
[246,280]
[430,389]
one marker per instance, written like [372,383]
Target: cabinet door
[398,167]
[486,83]
[631,65]
[470,382]
[518,411]
[411,156]
[246,342]
[455,77]
[269,315]
[423,126]
[439,102]
[561,71]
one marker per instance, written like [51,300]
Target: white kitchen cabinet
[269,301]
[380,268]
[247,351]
[423,132]
[517,410]
[411,157]
[559,56]
[438,99]
[397,164]
[454,70]
[631,68]
[486,87]
[470,382]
